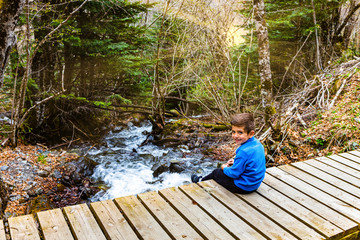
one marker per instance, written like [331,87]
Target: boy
[245,172]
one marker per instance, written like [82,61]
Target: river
[126,167]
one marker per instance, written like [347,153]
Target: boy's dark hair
[245,120]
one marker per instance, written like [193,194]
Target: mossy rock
[216,127]
[38,204]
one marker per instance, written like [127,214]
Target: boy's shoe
[195,178]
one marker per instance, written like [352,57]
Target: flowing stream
[126,167]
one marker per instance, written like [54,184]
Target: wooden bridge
[315,199]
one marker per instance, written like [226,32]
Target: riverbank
[37,179]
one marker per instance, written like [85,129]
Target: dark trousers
[227,182]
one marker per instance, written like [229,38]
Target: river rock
[35,191]
[43,173]
[39,203]
[117,129]
[70,167]
[159,168]
[4,168]
[147,156]
[60,187]
[176,167]
[87,192]
[75,177]
[85,166]
[56,174]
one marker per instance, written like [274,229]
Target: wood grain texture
[53,225]
[112,222]
[169,218]
[235,225]
[83,223]
[194,214]
[312,204]
[246,212]
[23,228]
[141,220]
[325,198]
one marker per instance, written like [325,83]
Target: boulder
[160,168]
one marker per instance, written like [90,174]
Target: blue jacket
[249,167]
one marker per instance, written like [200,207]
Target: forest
[73,70]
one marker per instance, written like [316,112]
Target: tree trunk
[317,41]
[158,104]
[9,15]
[264,57]
[20,99]
[350,21]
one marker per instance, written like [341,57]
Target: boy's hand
[230,162]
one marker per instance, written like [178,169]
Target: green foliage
[320,142]
[98,57]
[41,158]
[116,98]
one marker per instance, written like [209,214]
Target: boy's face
[239,134]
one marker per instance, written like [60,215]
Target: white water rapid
[126,167]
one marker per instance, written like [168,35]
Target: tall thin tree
[9,15]
[264,57]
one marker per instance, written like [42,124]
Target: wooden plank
[312,204]
[53,225]
[311,219]
[83,223]
[347,162]
[168,217]
[351,156]
[355,153]
[321,196]
[193,213]
[23,228]
[235,225]
[2,231]
[350,200]
[140,219]
[338,172]
[323,175]
[280,216]
[246,212]
[111,221]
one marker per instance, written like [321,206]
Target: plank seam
[101,225]
[336,160]
[156,218]
[247,222]
[182,215]
[210,215]
[349,157]
[37,221]
[295,216]
[128,220]
[312,196]
[334,185]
